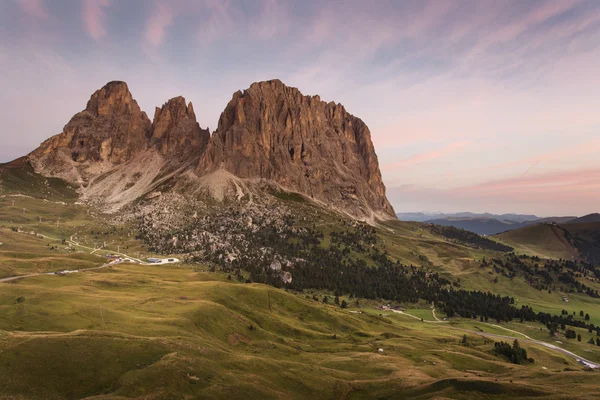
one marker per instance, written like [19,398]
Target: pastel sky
[477,105]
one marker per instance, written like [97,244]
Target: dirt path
[437,321]
[433,313]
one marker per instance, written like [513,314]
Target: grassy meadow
[177,331]
[171,332]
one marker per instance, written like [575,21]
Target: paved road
[12,278]
[589,363]
[527,339]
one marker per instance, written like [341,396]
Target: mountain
[269,134]
[264,269]
[417,216]
[111,130]
[484,223]
[481,226]
[594,217]
[273,132]
[571,240]
[422,217]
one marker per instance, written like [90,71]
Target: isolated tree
[344,304]
[581,313]
[579,338]
[591,341]
[587,317]
[337,300]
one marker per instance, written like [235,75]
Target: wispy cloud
[427,156]
[34,8]
[94,17]
[571,192]
[160,19]
[455,93]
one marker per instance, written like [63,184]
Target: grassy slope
[542,240]
[169,331]
[19,177]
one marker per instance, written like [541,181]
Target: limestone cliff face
[111,128]
[175,131]
[273,132]
[268,132]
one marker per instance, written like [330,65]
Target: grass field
[167,330]
[132,331]
[542,240]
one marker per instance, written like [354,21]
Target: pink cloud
[160,19]
[34,8]
[565,181]
[221,21]
[274,19]
[573,192]
[568,152]
[430,155]
[536,16]
[94,17]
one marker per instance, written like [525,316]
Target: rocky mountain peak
[175,130]
[270,132]
[112,129]
[274,132]
[112,98]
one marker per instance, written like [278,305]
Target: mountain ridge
[268,133]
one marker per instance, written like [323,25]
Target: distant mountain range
[423,216]
[491,224]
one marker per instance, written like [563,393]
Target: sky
[472,105]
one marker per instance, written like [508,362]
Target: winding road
[526,339]
[12,278]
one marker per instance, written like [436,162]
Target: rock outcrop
[273,132]
[175,131]
[269,132]
[111,128]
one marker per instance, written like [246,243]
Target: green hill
[172,331]
[543,240]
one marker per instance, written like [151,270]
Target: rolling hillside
[141,331]
[576,240]
[492,226]
[542,240]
